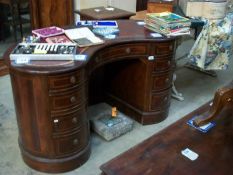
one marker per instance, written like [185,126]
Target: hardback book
[48,32]
[212,9]
[179,32]
[169,24]
[58,39]
[83,37]
[166,18]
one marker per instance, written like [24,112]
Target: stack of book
[167,23]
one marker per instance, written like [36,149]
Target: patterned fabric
[213,47]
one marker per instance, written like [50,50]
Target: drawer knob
[97,59]
[169,63]
[165,99]
[72,79]
[170,47]
[73,99]
[75,141]
[167,80]
[74,120]
[55,121]
[150,58]
[128,50]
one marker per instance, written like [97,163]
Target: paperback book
[167,23]
[167,18]
[83,37]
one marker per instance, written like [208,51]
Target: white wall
[129,5]
[76,7]
[92,3]
[83,4]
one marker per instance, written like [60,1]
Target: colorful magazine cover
[167,17]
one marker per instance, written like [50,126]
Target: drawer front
[68,122]
[164,48]
[71,143]
[68,100]
[124,51]
[66,81]
[162,64]
[160,82]
[159,101]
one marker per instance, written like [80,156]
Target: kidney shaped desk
[132,72]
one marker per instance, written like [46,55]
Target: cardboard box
[214,9]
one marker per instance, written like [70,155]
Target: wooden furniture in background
[161,153]
[16,16]
[141,5]
[103,14]
[45,13]
[223,99]
[51,97]
[158,6]
[152,6]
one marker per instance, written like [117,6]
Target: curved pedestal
[56,165]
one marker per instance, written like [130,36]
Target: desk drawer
[162,64]
[125,50]
[71,143]
[68,122]
[66,81]
[164,48]
[161,81]
[68,100]
[159,101]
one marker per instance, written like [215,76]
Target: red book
[58,39]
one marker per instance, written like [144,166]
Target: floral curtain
[213,47]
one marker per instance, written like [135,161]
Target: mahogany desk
[133,72]
[161,153]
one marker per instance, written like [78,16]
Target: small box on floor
[107,126]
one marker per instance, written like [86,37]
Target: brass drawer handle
[97,59]
[55,121]
[128,50]
[75,141]
[170,47]
[74,120]
[72,79]
[167,80]
[151,57]
[72,99]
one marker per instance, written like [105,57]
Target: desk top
[102,13]
[161,153]
[130,32]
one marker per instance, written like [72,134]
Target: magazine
[83,37]
[167,18]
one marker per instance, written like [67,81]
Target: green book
[167,17]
